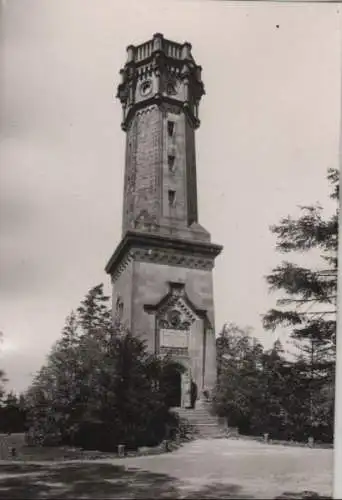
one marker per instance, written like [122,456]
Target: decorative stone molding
[162,250]
[174,315]
[172,258]
[145,71]
[122,266]
[145,111]
[164,257]
[174,312]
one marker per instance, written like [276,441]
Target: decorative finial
[130,53]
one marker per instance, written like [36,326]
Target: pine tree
[93,314]
[273,403]
[42,418]
[309,305]
[65,363]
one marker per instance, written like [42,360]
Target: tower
[161,270]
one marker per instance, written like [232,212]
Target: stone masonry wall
[122,289]
[143,168]
[150,285]
[174,179]
[191,178]
[149,177]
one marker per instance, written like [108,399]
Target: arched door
[173,387]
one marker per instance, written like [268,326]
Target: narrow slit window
[171,162]
[119,308]
[170,128]
[117,304]
[172,197]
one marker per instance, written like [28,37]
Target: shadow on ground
[84,480]
[302,495]
[101,480]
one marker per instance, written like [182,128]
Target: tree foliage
[100,387]
[12,413]
[308,305]
[240,393]
[260,391]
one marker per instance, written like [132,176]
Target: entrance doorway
[173,385]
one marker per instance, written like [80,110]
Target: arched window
[119,306]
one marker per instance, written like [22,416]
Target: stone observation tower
[161,270]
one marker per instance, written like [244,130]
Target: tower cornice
[160,100]
[151,247]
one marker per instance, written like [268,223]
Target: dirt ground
[218,468]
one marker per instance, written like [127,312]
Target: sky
[270,130]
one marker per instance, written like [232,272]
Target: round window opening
[146,87]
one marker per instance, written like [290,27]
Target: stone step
[195,414]
[193,410]
[199,409]
[199,414]
[204,435]
[207,425]
[203,422]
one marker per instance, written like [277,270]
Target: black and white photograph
[169,217]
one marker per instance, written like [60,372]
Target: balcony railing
[145,50]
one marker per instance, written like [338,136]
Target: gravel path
[260,470]
[218,468]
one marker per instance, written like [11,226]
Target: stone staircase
[206,425]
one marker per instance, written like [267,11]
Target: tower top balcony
[158,44]
[160,71]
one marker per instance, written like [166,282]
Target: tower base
[163,292]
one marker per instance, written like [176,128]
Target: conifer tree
[94,314]
[308,307]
